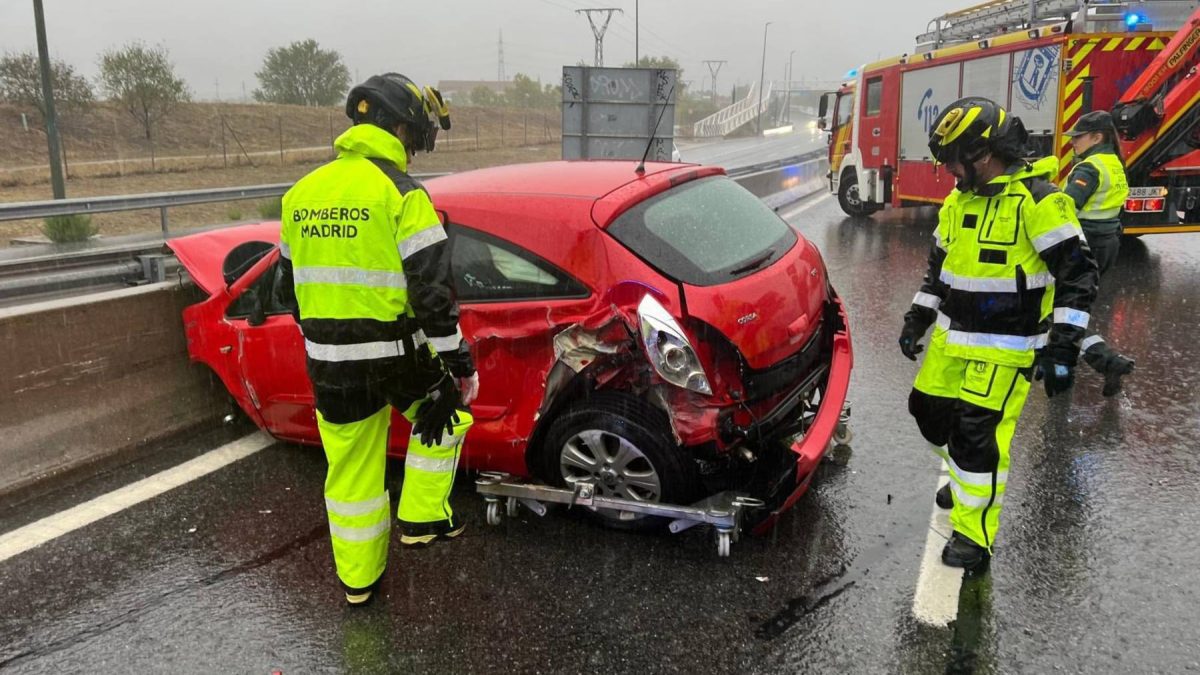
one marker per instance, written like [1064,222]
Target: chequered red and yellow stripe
[1080,53]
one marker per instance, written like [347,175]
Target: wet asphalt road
[1095,569]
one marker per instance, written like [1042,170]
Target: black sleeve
[1065,251]
[1082,184]
[287,287]
[432,298]
[932,292]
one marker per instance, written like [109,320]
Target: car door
[506,295]
[270,359]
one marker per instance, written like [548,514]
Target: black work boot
[944,497]
[1109,363]
[960,551]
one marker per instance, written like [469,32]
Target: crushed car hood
[202,254]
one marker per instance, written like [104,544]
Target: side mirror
[823,106]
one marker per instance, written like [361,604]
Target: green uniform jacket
[1099,187]
[364,255]
[1009,270]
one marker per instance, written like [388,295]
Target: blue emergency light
[853,72]
[1132,19]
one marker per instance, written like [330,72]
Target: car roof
[575,178]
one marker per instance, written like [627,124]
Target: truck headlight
[668,348]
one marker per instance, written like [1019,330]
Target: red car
[661,332]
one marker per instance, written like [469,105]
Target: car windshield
[704,232]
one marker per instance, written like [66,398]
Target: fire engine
[1048,62]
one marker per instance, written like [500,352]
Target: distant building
[463,88]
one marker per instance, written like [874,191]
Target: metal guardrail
[145,262]
[153,200]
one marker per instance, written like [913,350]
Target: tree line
[141,79]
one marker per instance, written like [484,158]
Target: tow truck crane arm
[1155,113]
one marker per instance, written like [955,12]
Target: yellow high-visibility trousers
[969,410]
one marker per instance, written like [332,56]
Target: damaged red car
[662,333]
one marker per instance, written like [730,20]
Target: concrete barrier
[87,378]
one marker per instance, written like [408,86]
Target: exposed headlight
[668,348]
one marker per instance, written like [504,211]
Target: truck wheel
[849,200]
[625,446]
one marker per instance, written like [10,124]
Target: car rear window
[704,232]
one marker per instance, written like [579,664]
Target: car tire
[610,426]
[849,200]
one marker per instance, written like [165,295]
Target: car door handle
[797,327]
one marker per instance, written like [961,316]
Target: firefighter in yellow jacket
[1009,287]
[364,253]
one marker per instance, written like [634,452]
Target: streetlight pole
[762,77]
[637,25]
[56,173]
[787,106]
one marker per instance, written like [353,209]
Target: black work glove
[914,330]
[1055,365]
[439,413]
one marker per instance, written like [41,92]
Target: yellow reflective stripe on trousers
[360,533]
[965,498]
[430,464]
[350,276]
[983,480]
[350,509]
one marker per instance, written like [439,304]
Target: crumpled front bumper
[816,441]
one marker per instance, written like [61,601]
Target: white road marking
[938,585]
[804,207]
[51,527]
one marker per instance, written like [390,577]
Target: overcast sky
[224,41]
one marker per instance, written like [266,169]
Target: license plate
[1145,192]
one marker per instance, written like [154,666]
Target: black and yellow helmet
[972,126]
[391,99]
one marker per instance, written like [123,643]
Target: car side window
[489,269]
[266,287]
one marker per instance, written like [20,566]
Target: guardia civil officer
[1098,185]
[1009,286]
[364,251]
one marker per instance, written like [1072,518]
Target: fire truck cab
[1048,62]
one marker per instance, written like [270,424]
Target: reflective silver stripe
[979,284]
[927,300]
[1070,316]
[1057,236]
[1039,280]
[362,508]
[1016,343]
[361,533]
[1090,342]
[997,340]
[421,240]
[937,240]
[429,464]
[285,250]
[448,343]
[974,478]
[350,275]
[965,498]
[355,352]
